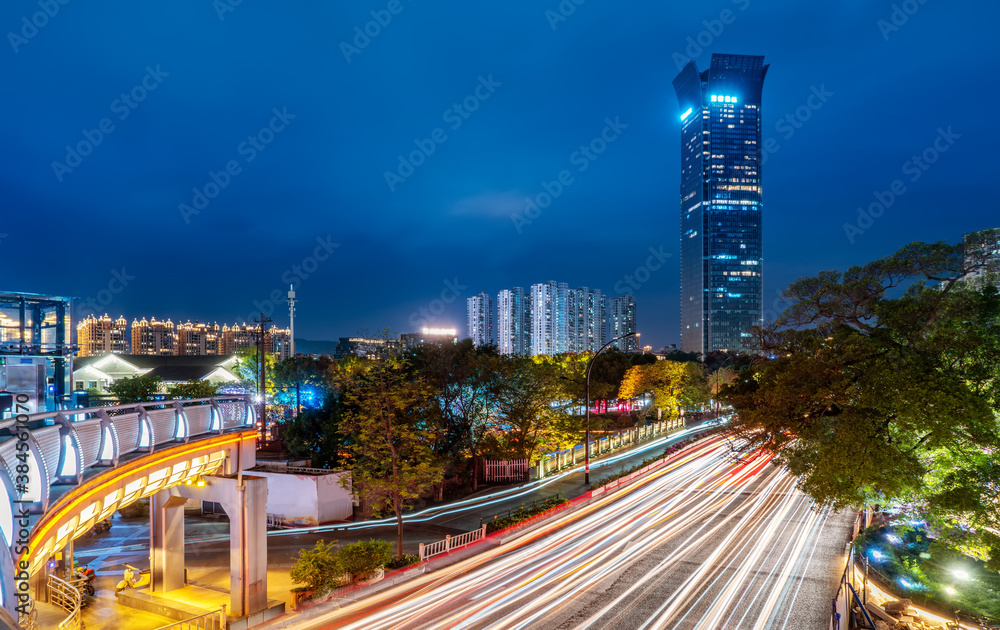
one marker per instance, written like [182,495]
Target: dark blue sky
[215,82]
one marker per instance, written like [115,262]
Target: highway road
[705,542]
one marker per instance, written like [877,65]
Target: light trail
[703,542]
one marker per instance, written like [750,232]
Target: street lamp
[586,444]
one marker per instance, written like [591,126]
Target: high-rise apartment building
[98,336]
[549,318]
[586,319]
[982,249]
[621,321]
[514,322]
[234,337]
[153,337]
[198,339]
[279,341]
[721,202]
[480,319]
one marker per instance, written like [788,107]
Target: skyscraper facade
[514,322]
[480,319]
[153,337]
[586,319]
[621,321]
[98,336]
[721,202]
[549,315]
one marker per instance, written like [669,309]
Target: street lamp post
[586,444]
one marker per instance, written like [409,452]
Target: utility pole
[262,376]
[291,316]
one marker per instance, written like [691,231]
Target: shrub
[138,509]
[318,568]
[363,558]
[523,514]
[405,560]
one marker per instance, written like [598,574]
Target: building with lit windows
[429,337]
[514,322]
[982,249]
[234,337]
[586,319]
[480,319]
[154,337]
[621,321]
[198,339]
[721,202]
[278,341]
[549,318]
[98,336]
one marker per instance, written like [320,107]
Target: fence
[215,620]
[66,596]
[550,463]
[451,542]
[507,470]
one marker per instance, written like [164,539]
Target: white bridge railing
[451,542]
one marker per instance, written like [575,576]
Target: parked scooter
[133,578]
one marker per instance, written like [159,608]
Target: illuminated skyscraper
[549,311]
[587,319]
[721,202]
[621,320]
[480,319]
[98,336]
[514,322]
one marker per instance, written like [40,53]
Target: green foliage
[247,369]
[193,389]
[524,513]
[674,385]
[136,509]
[882,384]
[930,564]
[133,389]
[319,568]
[398,562]
[363,558]
[316,434]
[390,435]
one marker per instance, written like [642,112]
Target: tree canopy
[882,383]
[133,389]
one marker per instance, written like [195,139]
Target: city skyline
[462,218]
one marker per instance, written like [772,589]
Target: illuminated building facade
[983,248]
[278,341]
[235,337]
[429,337]
[198,339]
[549,318]
[721,202]
[154,337]
[621,320]
[480,319]
[365,347]
[98,336]
[586,319]
[514,322]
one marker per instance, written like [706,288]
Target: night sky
[110,226]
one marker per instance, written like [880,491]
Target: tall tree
[390,435]
[534,406]
[882,383]
[674,385]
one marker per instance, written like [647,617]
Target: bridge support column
[166,542]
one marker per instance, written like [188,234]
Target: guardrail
[215,620]
[451,542]
[68,597]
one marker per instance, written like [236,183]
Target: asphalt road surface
[705,542]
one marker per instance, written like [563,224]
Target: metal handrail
[214,620]
[67,597]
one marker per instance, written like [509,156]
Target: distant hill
[308,346]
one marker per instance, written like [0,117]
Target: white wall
[307,499]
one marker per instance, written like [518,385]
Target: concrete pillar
[166,542]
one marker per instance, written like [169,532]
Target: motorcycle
[83,579]
[102,526]
[133,578]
